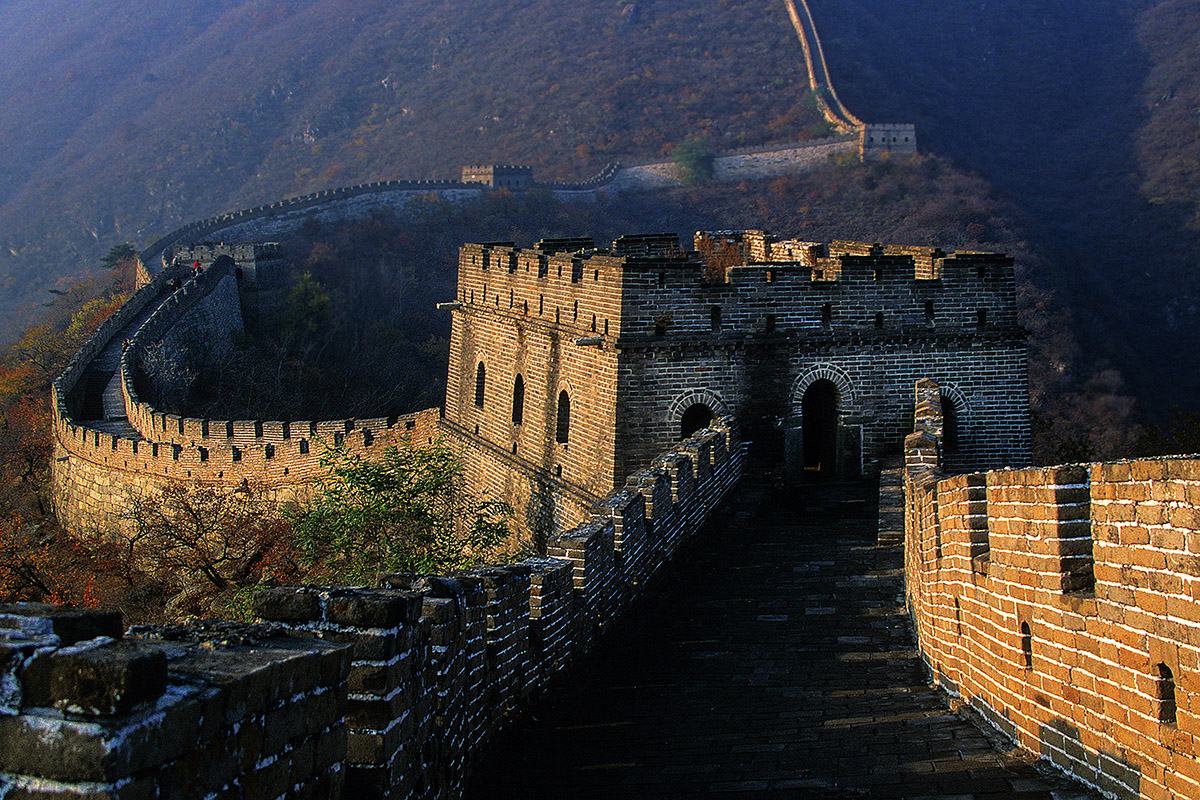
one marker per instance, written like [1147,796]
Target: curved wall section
[397,690]
[136,448]
[1063,604]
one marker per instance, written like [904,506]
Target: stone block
[287,604]
[70,625]
[372,608]
[96,681]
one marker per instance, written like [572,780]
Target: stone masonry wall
[271,220]
[210,710]
[1063,604]
[751,164]
[524,314]
[391,692]
[867,318]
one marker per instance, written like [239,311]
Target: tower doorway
[696,418]
[819,415]
[949,426]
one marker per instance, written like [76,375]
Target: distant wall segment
[272,220]
[1062,604]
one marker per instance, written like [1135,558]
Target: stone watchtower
[878,140]
[496,176]
[572,366]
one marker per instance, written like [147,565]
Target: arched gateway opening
[696,418]
[819,414]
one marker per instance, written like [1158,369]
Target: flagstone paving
[775,660]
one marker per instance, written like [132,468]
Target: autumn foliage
[206,546]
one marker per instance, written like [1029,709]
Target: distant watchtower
[876,140]
[515,179]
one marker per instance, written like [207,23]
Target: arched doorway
[949,426]
[819,416]
[695,418]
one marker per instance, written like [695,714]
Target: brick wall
[1062,604]
[639,332]
[351,202]
[877,140]
[97,467]
[388,692]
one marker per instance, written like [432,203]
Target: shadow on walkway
[775,660]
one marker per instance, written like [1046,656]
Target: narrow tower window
[518,404]
[826,316]
[714,317]
[1166,694]
[928,312]
[480,380]
[562,428]
[1026,646]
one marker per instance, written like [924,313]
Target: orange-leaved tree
[208,546]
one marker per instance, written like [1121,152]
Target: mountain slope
[124,118]
[1054,103]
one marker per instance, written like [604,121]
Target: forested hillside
[124,118]
[1085,114]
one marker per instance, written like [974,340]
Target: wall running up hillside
[1063,604]
[99,465]
[390,692]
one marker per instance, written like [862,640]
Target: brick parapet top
[205,449]
[844,291]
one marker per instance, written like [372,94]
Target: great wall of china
[1062,604]
[1059,603]
[385,692]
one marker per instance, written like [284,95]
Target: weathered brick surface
[440,664]
[638,333]
[1062,603]
[208,710]
[135,448]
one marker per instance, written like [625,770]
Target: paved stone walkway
[775,661]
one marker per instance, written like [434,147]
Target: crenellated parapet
[765,285]
[88,710]
[111,443]
[648,339]
[392,691]
[1061,604]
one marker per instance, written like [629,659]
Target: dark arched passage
[695,418]
[949,426]
[819,414]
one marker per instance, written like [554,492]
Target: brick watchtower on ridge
[572,366]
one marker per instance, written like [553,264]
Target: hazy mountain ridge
[1051,102]
[124,120]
